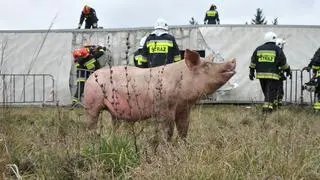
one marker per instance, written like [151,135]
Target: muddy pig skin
[166,92]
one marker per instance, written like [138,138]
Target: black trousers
[212,22]
[318,88]
[280,91]
[89,24]
[270,89]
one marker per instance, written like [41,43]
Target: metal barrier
[26,88]
[293,91]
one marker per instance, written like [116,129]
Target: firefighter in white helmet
[160,47]
[281,42]
[267,60]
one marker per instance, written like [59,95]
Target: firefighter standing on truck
[89,15]
[314,65]
[160,47]
[267,60]
[212,16]
[85,64]
[280,42]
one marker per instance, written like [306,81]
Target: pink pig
[165,92]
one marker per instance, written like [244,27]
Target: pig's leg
[115,122]
[168,127]
[93,100]
[167,124]
[182,119]
[93,109]
[93,116]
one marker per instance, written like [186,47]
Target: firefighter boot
[277,104]
[267,107]
[316,106]
[75,102]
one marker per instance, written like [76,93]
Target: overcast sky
[38,14]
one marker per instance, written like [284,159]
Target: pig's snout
[229,67]
[228,70]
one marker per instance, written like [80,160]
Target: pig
[166,92]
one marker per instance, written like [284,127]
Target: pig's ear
[192,58]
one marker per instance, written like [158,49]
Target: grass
[224,142]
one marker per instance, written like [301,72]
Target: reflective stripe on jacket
[268,59]
[160,50]
[90,65]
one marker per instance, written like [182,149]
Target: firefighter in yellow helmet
[212,16]
[267,60]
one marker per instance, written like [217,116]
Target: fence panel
[26,88]
[293,91]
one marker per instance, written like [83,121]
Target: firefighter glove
[282,77]
[251,75]
[288,73]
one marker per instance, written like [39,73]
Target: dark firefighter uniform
[212,16]
[85,64]
[89,15]
[160,50]
[268,60]
[280,42]
[138,59]
[281,90]
[315,66]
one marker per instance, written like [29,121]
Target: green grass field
[224,142]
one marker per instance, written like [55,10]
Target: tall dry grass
[224,142]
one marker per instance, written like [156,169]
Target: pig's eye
[206,67]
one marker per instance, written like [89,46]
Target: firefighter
[85,64]
[137,57]
[88,14]
[267,60]
[280,42]
[314,65]
[160,47]
[212,16]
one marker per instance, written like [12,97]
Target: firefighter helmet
[280,42]
[142,41]
[76,54]
[213,7]
[270,37]
[161,24]
[86,9]
[82,52]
